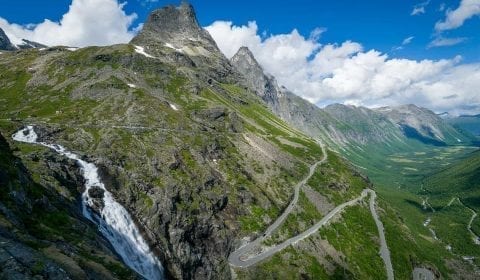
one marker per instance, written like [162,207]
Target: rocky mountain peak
[244,57]
[176,28]
[5,44]
[263,84]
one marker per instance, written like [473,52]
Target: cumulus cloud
[346,73]
[419,8]
[446,42]
[455,18]
[87,23]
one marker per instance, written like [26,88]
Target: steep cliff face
[42,231]
[174,35]
[5,43]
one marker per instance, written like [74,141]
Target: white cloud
[442,7]
[407,41]
[455,18]
[87,22]
[419,8]
[446,42]
[417,11]
[347,73]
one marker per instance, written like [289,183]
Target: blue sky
[377,24]
[369,53]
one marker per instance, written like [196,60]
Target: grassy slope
[86,119]
[399,174]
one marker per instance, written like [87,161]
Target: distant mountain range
[342,126]
[205,153]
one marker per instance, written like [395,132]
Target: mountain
[344,126]
[173,34]
[396,146]
[470,123]
[31,45]
[5,44]
[202,156]
[178,138]
[424,125]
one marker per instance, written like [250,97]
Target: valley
[161,158]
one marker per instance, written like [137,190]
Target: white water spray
[115,222]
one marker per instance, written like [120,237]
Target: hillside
[204,157]
[196,158]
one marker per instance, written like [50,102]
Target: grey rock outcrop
[263,84]
[5,44]
[174,34]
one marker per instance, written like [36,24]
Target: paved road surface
[242,256]
[384,252]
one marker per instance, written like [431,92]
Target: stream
[114,222]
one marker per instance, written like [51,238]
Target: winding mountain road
[384,252]
[246,256]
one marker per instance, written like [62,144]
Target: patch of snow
[132,85]
[173,107]
[141,50]
[168,45]
[72,49]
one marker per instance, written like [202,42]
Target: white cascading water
[115,222]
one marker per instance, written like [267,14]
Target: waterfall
[115,222]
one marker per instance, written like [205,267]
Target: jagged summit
[176,28]
[264,85]
[5,44]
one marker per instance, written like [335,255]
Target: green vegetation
[336,181]
[291,264]
[354,235]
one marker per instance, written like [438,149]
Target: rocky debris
[5,44]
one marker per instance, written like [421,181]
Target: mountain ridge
[201,157]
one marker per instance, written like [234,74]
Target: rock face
[264,85]
[174,33]
[43,234]
[5,43]
[177,26]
